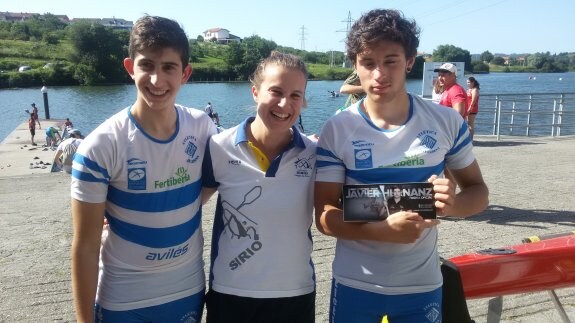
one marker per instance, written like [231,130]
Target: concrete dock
[18,157]
[531,182]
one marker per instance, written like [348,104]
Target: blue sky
[500,26]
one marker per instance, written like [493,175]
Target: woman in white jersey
[261,268]
[390,269]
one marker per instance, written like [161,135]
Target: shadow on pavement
[504,143]
[534,219]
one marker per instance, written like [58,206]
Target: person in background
[264,172]
[209,109]
[141,171]
[32,127]
[68,124]
[35,115]
[390,269]
[67,149]
[473,102]
[52,137]
[354,90]
[454,95]
[436,92]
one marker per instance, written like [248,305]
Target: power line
[349,21]
[302,38]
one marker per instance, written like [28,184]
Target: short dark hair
[378,25]
[152,32]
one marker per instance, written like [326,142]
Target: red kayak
[528,267]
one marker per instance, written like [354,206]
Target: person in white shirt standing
[141,171]
[391,268]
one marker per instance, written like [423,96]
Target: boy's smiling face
[158,75]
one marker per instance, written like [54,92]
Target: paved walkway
[531,181]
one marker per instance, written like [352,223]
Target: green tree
[253,50]
[450,53]
[498,60]
[19,31]
[417,70]
[480,67]
[100,51]
[486,56]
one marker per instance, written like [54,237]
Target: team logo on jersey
[239,226]
[363,158]
[171,253]
[410,161]
[190,317]
[136,174]
[428,140]
[362,153]
[304,166]
[180,177]
[432,312]
[361,143]
[190,148]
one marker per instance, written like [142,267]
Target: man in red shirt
[454,96]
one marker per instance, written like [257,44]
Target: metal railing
[535,114]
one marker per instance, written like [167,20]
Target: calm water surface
[87,107]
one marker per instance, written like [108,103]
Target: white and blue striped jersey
[352,150]
[261,239]
[152,189]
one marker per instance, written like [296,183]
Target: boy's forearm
[84,285]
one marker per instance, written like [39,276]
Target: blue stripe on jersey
[217,230]
[155,237]
[465,142]
[158,201]
[395,174]
[92,165]
[320,163]
[326,153]
[275,164]
[87,177]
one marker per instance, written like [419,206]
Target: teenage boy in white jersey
[391,268]
[141,171]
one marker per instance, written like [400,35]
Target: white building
[221,35]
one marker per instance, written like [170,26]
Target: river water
[89,106]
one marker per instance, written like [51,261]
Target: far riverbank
[88,106]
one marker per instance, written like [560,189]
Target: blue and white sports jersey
[153,251]
[352,150]
[261,240]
